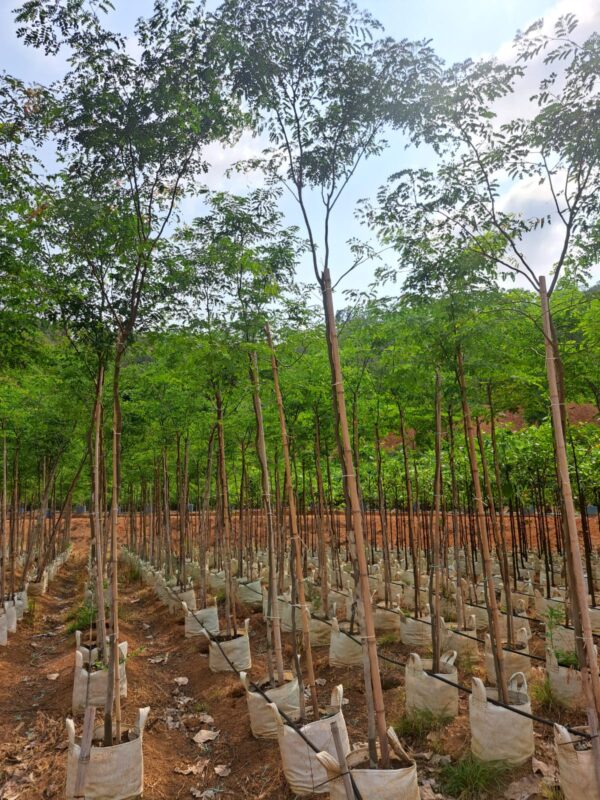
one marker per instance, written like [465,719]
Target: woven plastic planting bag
[216,581]
[464,642]
[563,638]
[427,693]
[249,593]
[518,621]
[237,651]
[37,588]
[386,620]
[89,655]
[480,614]
[11,616]
[497,733]
[398,783]
[513,662]
[301,767]
[196,621]
[577,776]
[188,596]
[98,681]
[415,632]
[320,633]
[344,651]
[565,682]
[3,629]
[339,602]
[113,773]
[287,699]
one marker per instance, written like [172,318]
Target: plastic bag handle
[449,657]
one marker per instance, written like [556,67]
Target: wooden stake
[84,752]
[588,662]
[296,544]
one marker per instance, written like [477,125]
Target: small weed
[416,725]
[133,574]
[471,779]
[220,596]
[388,640]
[567,659]
[80,618]
[467,663]
[551,792]
[200,708]
[545,698]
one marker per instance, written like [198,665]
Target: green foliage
[545,698]
[80,618]
[471,779]
[567,659]
[416,725]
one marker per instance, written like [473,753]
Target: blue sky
[459,29]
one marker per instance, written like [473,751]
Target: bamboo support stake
[345,772]
[84,752]
[435,530]
[273,603]
[491,601]
[296,544]
[588,666]
[356,516]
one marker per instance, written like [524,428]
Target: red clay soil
[33,707]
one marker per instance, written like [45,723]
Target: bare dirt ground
[33,707]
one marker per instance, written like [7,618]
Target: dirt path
[33,707]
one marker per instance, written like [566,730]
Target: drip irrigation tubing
[581,735]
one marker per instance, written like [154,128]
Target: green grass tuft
[545,699]
[416,725]
[80,618]
[471,779]
[566,658]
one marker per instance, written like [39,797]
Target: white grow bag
[237,651]
[11,616]
[301,767]
[386,620]
[464,642]
[3,629]
[577,774]
[426,693]
[320,633]
[565,682]
[113,773]
[189,598]
[415,632]
[216,581]
[249,593]
[98,683]
[195,622]
[262,721]
[513,662]
[89,655]
[497,733]
[344,651]
[563,638]
[37,588]
[377,784]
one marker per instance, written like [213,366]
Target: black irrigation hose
[582,735]
[265,697]
[459,686]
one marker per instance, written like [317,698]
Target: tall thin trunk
[261,450]
[585,646]
[492,604]
[355,531]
